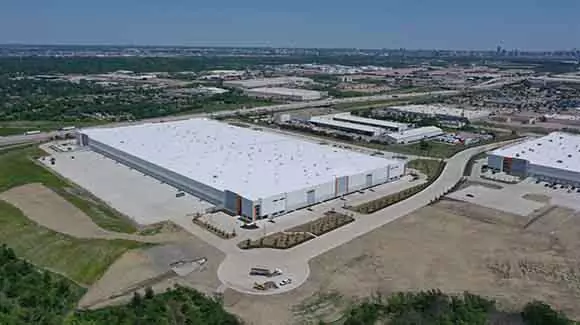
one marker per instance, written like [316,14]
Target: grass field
[17,168]
[434,149]
[429,167]
[82,260]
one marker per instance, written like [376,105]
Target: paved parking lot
[142,198]
[500,199]
[515,198]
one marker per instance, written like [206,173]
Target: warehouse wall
[202,191]
[554,175]
[396,170]
[495,162]
[286,202]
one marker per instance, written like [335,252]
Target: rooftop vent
[559,161]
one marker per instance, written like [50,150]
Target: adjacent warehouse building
[284,93]
[268,82]
[439,111]
[328,122]
[553,158]
[414,135]
[250,173]
[387,125]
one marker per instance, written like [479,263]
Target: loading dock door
[310,197]
[341,185]
[369,180]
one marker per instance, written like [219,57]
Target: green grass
[82,260]
[5,131]
[19,127]
[428,167]
[434,149]
[17,168]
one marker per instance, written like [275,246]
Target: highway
[17,139]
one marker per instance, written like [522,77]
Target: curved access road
[233,271]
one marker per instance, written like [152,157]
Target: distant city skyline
[419,24]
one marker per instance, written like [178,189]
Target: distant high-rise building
[498,50]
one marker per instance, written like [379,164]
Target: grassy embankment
[17,168]
[82,260]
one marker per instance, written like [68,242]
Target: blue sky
[454,24]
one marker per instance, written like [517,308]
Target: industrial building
[267,82]
[328,122]
[552,158]
[414,135]
[439,111]
[387,125]
[249,173]
[284,93]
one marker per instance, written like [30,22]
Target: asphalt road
[17,139]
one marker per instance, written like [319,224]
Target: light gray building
[552,158]
[285,93]
[249,173]
[414,135]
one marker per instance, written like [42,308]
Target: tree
[424,145]
[539,313]
[136,300]
[149,293]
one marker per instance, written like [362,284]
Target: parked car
[285,282]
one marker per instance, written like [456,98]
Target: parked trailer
[68,128]
[32,132]
[265,272]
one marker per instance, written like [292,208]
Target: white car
[285,282]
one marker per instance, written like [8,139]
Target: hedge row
[386,201]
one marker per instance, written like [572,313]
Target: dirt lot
[453,246]
[151,268]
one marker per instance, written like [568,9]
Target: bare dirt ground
[137,270]
[453,246]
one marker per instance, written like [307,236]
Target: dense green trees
[50,100]
[177,306]
[539,313]
[436,308]
[30,296]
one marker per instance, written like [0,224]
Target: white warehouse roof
[328,121]
[556,150]
[254,164]
[371,121]
[265,82]
[303,93]
[430,131]
[442,110]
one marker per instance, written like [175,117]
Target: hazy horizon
[531,25]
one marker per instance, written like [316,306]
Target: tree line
[29,295]
[436,308]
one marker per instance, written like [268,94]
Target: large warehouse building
[284,93]
[268,82]
[250,173]
[553,158]
[414,135]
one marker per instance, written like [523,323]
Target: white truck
[265,272]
